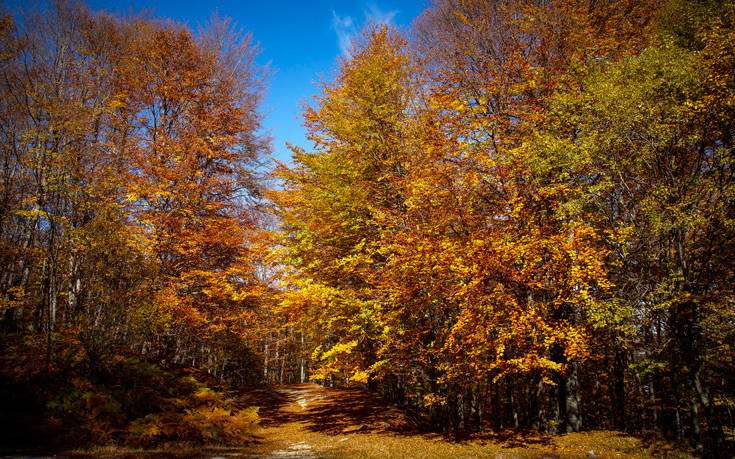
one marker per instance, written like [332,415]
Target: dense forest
[515,214]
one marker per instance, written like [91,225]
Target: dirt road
[308,420]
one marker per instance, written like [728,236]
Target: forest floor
[310,421]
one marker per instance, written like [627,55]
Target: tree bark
[302,363]
[618,387]
[573,418]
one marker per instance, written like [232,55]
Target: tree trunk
[714,428]
[684,318]
[277,356]
[302,362]
[618,387]
[512,403]
[265,360]
[573,419]
[537,408]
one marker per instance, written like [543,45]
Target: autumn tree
[189,119]
[131,148]
[473,237]
[331,196]
[650,145]
[415,203]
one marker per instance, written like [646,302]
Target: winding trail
[311,421]
[307,420]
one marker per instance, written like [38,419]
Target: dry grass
[311,421]
[387,445]
[350,423]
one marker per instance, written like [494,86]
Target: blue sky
[300,39]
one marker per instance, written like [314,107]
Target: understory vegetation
[123,401]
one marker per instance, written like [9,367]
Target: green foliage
[646,366]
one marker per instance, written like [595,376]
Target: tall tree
[329,202]
[130,183]
[651,145]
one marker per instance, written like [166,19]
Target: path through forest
[307,420]
[311,421]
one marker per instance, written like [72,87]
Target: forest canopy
[128,224]
[520,214]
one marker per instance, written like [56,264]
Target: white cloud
[378,16]
[347,28]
